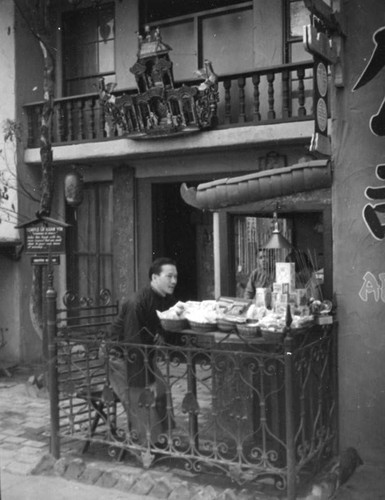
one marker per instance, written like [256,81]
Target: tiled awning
[268,184]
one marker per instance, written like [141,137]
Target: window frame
[83,76]
[198,18]
[288,40]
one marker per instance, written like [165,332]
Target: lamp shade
[277,240]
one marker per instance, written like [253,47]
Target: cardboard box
[262,297]
[280,309]
[293,299]
[274,300]
[301,296]
[285,273]
[277,287]
[282,298]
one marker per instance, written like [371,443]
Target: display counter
[217,338]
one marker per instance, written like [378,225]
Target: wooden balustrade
[268,95]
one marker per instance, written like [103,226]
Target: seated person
[261,277]
[305,276]
[135,375]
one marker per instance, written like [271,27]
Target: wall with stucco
[9,276]
[8,198]
[21,82]
[29,79]
[361,303]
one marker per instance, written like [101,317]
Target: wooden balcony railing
[268,95]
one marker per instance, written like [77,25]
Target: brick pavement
[24,425]
[24,450]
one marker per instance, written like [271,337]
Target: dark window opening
[88,49]
[174,106]
[188,111]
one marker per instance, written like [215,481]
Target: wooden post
[270,93]
[256,81]
[242,104]
[227,87]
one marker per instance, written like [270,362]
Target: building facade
[137,187]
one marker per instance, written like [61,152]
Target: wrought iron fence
[215,402]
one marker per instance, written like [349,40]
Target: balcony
[268,96]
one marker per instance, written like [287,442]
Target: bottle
[289,317]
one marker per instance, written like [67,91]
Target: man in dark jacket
[135,376]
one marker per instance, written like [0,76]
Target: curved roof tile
[233,191]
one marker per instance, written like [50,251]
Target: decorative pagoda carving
[159,108]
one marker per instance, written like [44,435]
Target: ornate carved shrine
[159,109]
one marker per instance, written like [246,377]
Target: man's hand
[159,340]
[152,387]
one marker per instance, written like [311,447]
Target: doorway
[184,234]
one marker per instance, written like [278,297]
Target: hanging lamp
[277,241]
[73,187]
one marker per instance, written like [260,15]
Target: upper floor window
[296,17]
[156,10]
[88,48]
[201,30]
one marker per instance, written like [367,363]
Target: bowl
[174,325]
[202,327]
[226,326]
[248,330]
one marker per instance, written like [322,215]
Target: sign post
[43,237]
[44,240]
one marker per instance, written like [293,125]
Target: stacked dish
[248,330]
[224,325]
[272,335]
[201,327]
[173,325]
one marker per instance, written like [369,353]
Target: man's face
[262,260]
[165,282]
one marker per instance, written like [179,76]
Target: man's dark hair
[156,266]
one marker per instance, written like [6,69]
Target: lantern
[73,188]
